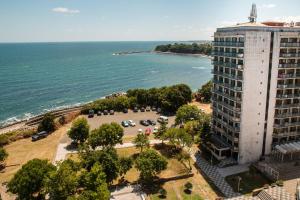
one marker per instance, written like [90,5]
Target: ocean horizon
[42,76]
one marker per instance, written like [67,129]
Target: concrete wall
[256,66]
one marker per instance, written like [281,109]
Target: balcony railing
[228,54]
[287,96]
[292,105]
[232,128]
[286,115]
[238,99]
[287,124]
[229,44]
[290,44]
[289,55]
[289,65]
[284,76]
[227,64]
[227,115]
[235,88]
[287,86]
[231,76]
[230,107]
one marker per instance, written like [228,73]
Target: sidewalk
[62,150]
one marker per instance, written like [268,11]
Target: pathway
[62,150]
[236,169]
[212,173]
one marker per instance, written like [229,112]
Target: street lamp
[239,182]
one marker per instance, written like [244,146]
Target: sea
[39,77]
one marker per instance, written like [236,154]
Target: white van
[162,119]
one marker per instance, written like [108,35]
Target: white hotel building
[256,88]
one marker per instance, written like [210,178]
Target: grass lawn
[249,182]
[21,151]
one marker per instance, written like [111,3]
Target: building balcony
[228,116]
[226,105]
[287,124]
[230,76]
[287,115]
[286,134]
[237,99]
[289,65]
[284,106]
[227,64]
[228,54]
[289,55]
[227,85]
[287,86]
[287,96]
[290,44]
[229,44]
[224,124]
[288,76]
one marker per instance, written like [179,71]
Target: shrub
[162,193]
[188,186]
[47,124]
[279,183]
[4,140]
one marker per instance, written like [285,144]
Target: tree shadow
[167,150]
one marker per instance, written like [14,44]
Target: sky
[130,20]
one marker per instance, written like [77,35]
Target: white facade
[247,113]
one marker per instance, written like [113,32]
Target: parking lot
[118,117]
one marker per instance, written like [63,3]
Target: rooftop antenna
[253,14]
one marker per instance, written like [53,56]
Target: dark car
[125,110]
[135,109]
[148,109]
[142,109]
[91,114]
[125,123]
[39,136]
[144,123]
[105,112]
[111,112]
[151,122]
[99,113]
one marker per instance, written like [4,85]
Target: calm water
[38,77]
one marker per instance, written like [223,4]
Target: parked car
[105,112]
[163,119]
[125,123]
[39,136]
[144,123]
[158,110]
[111,112]
[125,110]
[91,114]
[153,108]
[148,109]
[151,122]
[155,130]
[131,123]
[135,109]
[99,113]
[142,109]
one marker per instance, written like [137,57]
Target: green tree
[79,131]
[125,165]
[63,182]
[95,180]
[107,158]
[183,157]
[29,180]
[3,155]
[161,131]
[47,124]
[205,92]
[107,135]
[178,137]
[141,141]
[150,163]
[187,113]
[193,128]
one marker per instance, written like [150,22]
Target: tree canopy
[141,141]
[194,48]
[79,131]
[107,135]
[29,180]
[187,113]
[47,124]
[205,92]
[178,137]
[150,163]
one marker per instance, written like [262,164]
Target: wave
[198,67]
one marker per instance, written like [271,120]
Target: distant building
[256,88]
